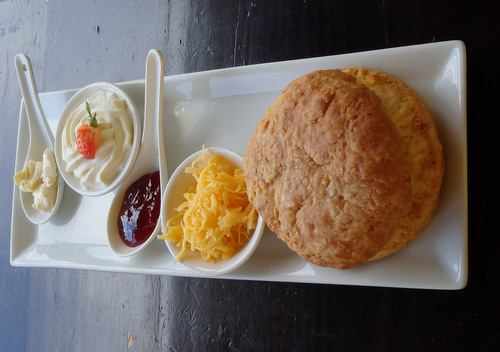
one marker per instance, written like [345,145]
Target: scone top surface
[327,170]
[408,113]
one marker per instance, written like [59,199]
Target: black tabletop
[72,44]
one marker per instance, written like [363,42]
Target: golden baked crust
[346,166]
[327,170]
[415,125]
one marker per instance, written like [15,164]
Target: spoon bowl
[151,156]
[40,139]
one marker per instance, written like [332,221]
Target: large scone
[335,170]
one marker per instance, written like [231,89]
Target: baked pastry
[338,166]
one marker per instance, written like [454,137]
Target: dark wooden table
[74,43]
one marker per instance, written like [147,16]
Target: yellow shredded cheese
[216,219]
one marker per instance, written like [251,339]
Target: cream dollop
[116,134]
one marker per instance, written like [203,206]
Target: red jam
[140,210]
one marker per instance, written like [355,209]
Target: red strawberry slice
[86,137]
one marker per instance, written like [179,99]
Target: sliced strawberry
[86,137]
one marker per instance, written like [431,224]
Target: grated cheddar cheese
[216,219]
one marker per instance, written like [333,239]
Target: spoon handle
[153,108]
[31,100]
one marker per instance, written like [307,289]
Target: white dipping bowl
[77,100]
[173,197]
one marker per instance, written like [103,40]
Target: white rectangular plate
[221,108]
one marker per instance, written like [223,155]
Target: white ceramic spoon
[40,137]
[151,155]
